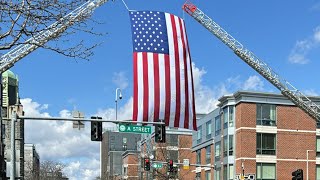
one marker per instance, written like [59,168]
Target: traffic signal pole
[87,119]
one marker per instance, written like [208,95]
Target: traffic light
[96,129]
[297,175]
[170,165]
[160,133]
[146,164]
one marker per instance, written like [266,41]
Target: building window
[208,154]
[217,152]
[231,173]
[266,144]
[208,175]
[217,125]
[208,129]
[172,140]
[198,156]
[318,172]
[231,116]
[225,172]
[225,117]
[217,174]
[230,145]
[199,134]
[318,146]
[225,146]
[266,114]
[266,171]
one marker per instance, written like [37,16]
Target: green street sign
[157,165]
[135,129]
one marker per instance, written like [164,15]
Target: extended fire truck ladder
[288,90]
[53,31]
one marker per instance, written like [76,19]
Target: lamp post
[308,163]
[116,100]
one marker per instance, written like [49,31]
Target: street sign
[157,165]
[186,164]
[135,129]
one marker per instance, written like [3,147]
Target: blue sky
[284,34]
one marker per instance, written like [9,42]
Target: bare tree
[23,19]
[31,171]
[51,170]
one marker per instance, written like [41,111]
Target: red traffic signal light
[147,164]
[170,163]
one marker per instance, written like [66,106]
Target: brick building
[261,134]
[113,145]
[130,161]
[177,147]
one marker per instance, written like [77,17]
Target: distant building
[11,103]
[177,148]
[113,145]
[263,135]
[31,162]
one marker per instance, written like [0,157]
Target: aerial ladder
[51,32]
[287,89]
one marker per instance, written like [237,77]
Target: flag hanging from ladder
[162,74]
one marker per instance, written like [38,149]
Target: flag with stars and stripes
[163,83]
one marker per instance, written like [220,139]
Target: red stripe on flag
[186,80]
[177,67]
[156,86]
[168,89]
[145,86]
[135,87]
[193,103]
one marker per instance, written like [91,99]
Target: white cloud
[316,7]
[58,141]
[120,80]
[310,92]
[253,83]
[302,48]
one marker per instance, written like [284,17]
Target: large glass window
[198,176]
[266,114]
[225,117]
[318,172]
[225,172]
[217,125]
[266,144]
[208,154]
[225,146]
[231,116]
[230,145]
[217,174]
[198,156]
[318,146]
[199,134]
[208,129]
[217,151]
[266,171]
[208,175]
[231,173]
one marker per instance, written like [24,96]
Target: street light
[116,100]
[308,163]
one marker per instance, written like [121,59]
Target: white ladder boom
[53,31]
[288,90]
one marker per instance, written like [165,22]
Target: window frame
[208,155]
[208,129]
[217,127]
[259,175]
[260,145]
[217,151]
[271,120]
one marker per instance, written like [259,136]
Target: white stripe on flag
[140,86]
[162,87]
[182,81]
[172,70]
[151,86]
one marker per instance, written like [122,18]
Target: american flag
[163,82]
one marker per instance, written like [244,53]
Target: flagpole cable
[125,5]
